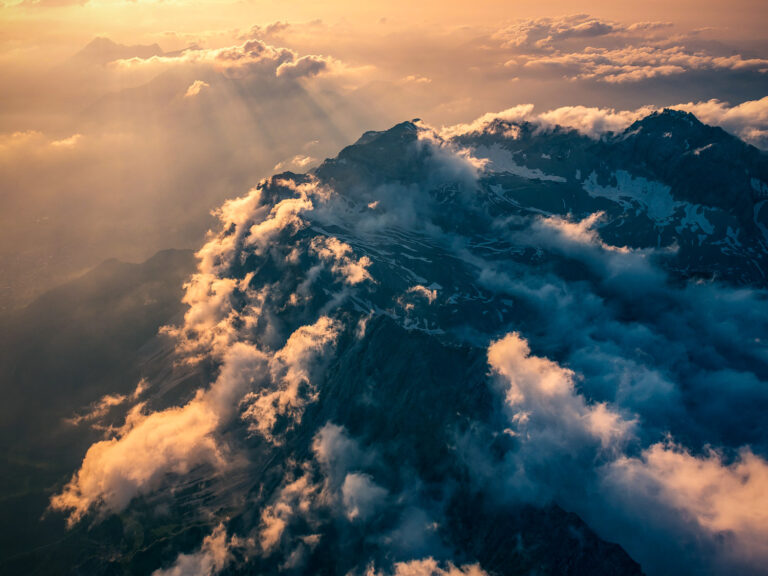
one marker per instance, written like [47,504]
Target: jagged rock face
[672,179]
[492,350]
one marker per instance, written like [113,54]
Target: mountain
[101,51]
[91,337]
[507,350]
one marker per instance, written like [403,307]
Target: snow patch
[501,160]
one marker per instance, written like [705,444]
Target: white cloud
[728,500]
[195,88]
[148,447]
[748,120]
[592,122]
[295,498]
[545,407]
[331,249]
[212,557]
[99,409]
[292,385]
[423,291]
[430,567]
[514,115]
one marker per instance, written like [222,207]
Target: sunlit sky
[123,146]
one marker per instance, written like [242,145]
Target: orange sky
[114,154]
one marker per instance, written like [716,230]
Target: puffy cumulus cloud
[339,253]
[268,387]
[331,482]
[748,120]
[710,502]
[429,567]
[208,321]
[291,374]
[429,294]
[727,500]
[195,88]
[304,67]
[544,405]
[211,558]
[448,162]
[148,447]
[296,498]
[251,57]
[274,29]
[284,215]
[592,122]
[514,115]
[542,33]
[627,272]
[579,233]
[215,318]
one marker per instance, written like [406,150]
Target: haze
[122,146]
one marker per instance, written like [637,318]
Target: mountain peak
[101,50]
[669,122]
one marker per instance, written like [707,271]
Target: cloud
[726,500]
[211,558]
[636,63]
[331,249]
[195,88]
[304,67]
[544,406]
[514,115]
[295,498]
[148,447]
[542,33]
[291,374]
[592,122]
[585,48]
[253,57]
[298,162]
[430,567]
[429,295]
[99,409]
[294,517]
[336,451]
[747,120]
[361,496]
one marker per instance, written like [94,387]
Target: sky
[132,127]
[124,124]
